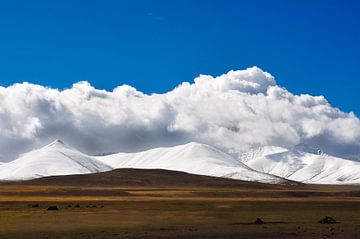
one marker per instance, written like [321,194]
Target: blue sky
[309,46]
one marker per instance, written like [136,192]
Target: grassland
[164,204]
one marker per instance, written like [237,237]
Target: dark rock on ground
[52,208]
[328,220]
[259,221]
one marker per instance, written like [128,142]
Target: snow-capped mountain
[53,159]
[305,164]
[60,159]
[192,158]
[267,164]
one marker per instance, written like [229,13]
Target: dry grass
[220,210]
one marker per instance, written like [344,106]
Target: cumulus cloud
[236,111]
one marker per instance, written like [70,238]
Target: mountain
[56,158]
[307,165]
[192,158]
[268,164]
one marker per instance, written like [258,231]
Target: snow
[268,164]
[192,158]
[308,165]
[60,159]
[53,159]
[260,152]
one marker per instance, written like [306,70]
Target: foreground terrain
[129,203]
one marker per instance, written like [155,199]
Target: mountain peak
[57,142]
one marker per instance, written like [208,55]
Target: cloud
[236,111]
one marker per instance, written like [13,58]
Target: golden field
[163,204]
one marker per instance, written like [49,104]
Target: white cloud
[235,111]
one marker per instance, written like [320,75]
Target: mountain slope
[192,158]
[267,164]
[311,166]
[259,152]
[53,159]
[127,177]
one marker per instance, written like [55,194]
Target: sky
[308,46]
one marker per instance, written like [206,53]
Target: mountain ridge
[57,158]
[308,167]
[192,158]
[269,164]
[53,159]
